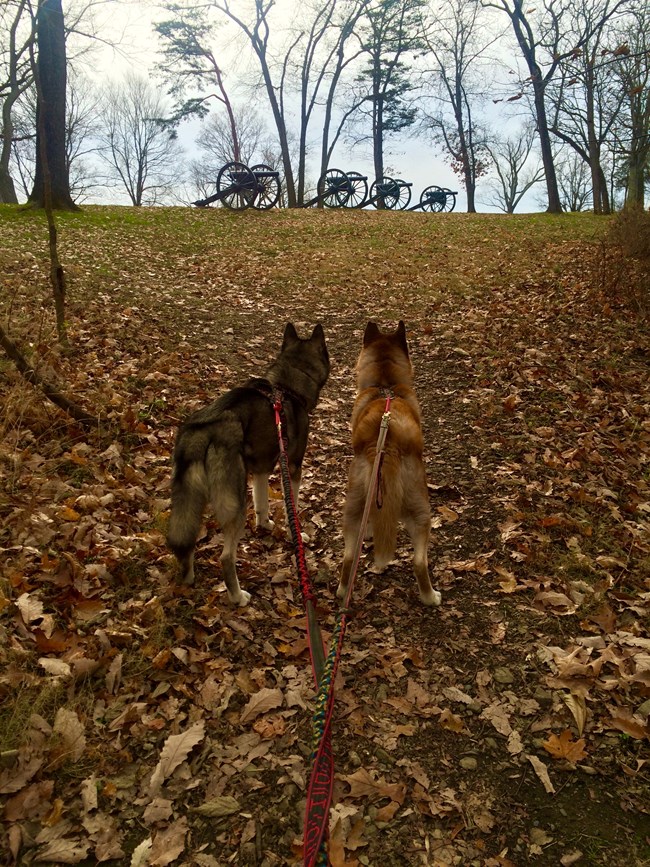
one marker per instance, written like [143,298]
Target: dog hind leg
[295,474]
[260,483]
[417,520]
[227,480]
[352,514]
[189,498]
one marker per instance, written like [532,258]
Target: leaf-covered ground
[143,723]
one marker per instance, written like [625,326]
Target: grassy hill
[508,727]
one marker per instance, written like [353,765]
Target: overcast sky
[412,159]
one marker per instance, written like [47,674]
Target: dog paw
[265,525]
[242,600]
[434,598]
[380,568]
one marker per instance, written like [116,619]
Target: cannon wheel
[358,190]
[236,186]
[334,188]
[434,199]
[404,194]
[450,200]
[385,190]
[268,188]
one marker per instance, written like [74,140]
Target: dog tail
[189,499]
[386,509]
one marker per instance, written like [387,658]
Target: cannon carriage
[240,187]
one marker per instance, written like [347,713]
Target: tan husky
[383,368]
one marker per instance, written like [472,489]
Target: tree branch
[34,378]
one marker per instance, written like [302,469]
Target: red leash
[321,781]
[316,646]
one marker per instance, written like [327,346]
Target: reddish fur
[384,363]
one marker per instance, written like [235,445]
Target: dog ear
[318,334]
[371,333]
[401,336]
[290,335]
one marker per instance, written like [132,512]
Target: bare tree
[545,38]
[216,147]
[532,44]
[257,29]
[321,57]
[216,142]
[583,111]
[342,59]
[16,77]
[83,112]
[511,157]
[574,181]
[82,117]
[631,65]
[457,39]
[135,143]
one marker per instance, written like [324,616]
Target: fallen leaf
[30,608]
[564,747]
[499,718]
[219,807]
[363,785]
[578,707]
[175,750]
[270,727]
[71,731]
[542,772]
[168,844]
[261,702]
[140,856]
[451,721]
[626,723]
[55,666]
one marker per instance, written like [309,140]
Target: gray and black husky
[219,446]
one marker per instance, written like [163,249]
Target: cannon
[240,187]
[339,189]
[436,199]
[332,191]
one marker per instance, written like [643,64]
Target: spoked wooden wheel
[434,199]
[267,184]
[236,186]
[404,194]
[334,188]
[358,190]
[450,199]
[385,192]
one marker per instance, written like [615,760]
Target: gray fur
[235,436]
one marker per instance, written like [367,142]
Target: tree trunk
[552,191]
[527,45]
[7,188]
[50,111]
[635,192]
